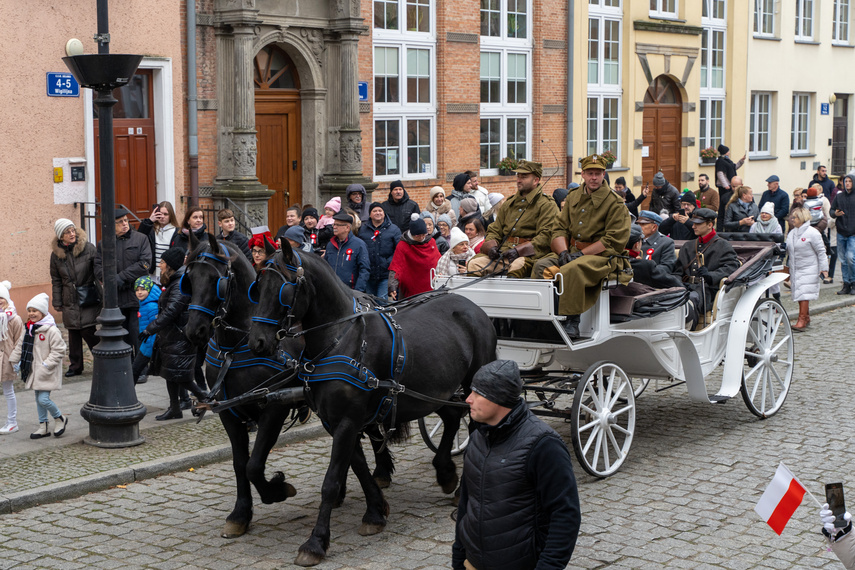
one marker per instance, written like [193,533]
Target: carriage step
[719,399]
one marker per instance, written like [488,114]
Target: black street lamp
[113,411]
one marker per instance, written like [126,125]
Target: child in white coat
[11,331]
[38,356]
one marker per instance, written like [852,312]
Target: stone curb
[73,488]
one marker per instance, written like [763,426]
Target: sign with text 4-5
[62,85]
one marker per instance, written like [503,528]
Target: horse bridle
[224,283]
[288,319]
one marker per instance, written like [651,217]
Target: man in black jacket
[399,207]
[843,211]
[821,178]
[133,259]
[519,506]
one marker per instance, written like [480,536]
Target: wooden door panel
[662,134]
[277,121]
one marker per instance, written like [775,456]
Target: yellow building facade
[655,82]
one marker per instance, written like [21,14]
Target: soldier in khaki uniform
[526,221]
[592,230]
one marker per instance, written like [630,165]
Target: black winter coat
[67,272]
[133,259]
[177,355]
[845,202]
[381,243]
[519,506]
[182,240]
[241,241]
[399,212]
[677,231]
[463,220]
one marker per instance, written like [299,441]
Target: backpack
[814,206]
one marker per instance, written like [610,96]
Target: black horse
[217,278]
[366,367]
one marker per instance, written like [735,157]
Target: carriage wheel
[603,420]
[431,429]
[768,368]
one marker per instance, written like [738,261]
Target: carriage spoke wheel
[768,363]
[603,419]
[431,429]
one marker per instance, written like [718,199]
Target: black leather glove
[704,273]
[511,254]
[144,336]
[566,257]
[493,253]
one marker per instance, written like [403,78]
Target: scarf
[6,316]
[770,227]
[412,263]
[707,238]
[27,346]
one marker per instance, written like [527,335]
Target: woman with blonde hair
[741,212]
[808,263]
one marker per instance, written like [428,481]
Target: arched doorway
[277,120]
[662,131]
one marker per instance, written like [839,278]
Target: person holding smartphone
[837,525]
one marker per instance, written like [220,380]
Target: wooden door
[662,132]
[277,121]
[839,136]
[133,147]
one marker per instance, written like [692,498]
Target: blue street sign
[823,108]
[363,90]
[62,85]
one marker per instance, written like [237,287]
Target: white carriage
[745,346]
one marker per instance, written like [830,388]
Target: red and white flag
[780,499]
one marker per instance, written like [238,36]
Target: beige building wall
[651,47]
[37,129]
[782,65]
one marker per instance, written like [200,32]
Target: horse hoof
[308,559]
[370,529]
[234,529]
[278,477]
[383,482]
[290,491]
[450,486]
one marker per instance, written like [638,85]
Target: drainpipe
[192,126]
[568,167]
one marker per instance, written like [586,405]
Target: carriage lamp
[113,410]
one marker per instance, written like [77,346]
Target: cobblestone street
[683,499]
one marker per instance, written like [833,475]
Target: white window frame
[801,108]
[601,90]
[707,121]
[841,24]
[763,8]
[805,18]
[503,110]
[402,110]
[709,96]
[600,6]
[662,12]
[754,121]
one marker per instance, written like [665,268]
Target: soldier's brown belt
[517,240]
[580,245]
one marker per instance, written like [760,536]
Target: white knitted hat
[4,291]
[61,225]
[457,237]
[40,302]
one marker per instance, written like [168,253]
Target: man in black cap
[778,197]
[679,226]
[133,259]
[519,506]
[399,207]
[706,260]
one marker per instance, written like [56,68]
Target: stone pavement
[683,499]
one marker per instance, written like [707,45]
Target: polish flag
[780,499]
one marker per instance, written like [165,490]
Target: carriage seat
[638,301]
[757,254]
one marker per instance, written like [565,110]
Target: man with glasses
[133,259]
[347,254]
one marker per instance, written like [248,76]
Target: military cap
[530,167]
[648,217]
[702,215]
[594,161]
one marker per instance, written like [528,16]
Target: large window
[800,136]
[764,18]
[804,20]
[760,125]
[404,89]
[505,81]
[840,29]
[604,78]
[663,8]
[712,92]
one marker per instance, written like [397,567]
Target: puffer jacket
[399,211]
[48,352]
[736,211]
[381,243]
[133,259]
[806,252]
[147,313]
[177,354]
[67,272]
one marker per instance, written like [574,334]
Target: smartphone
[834,498]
